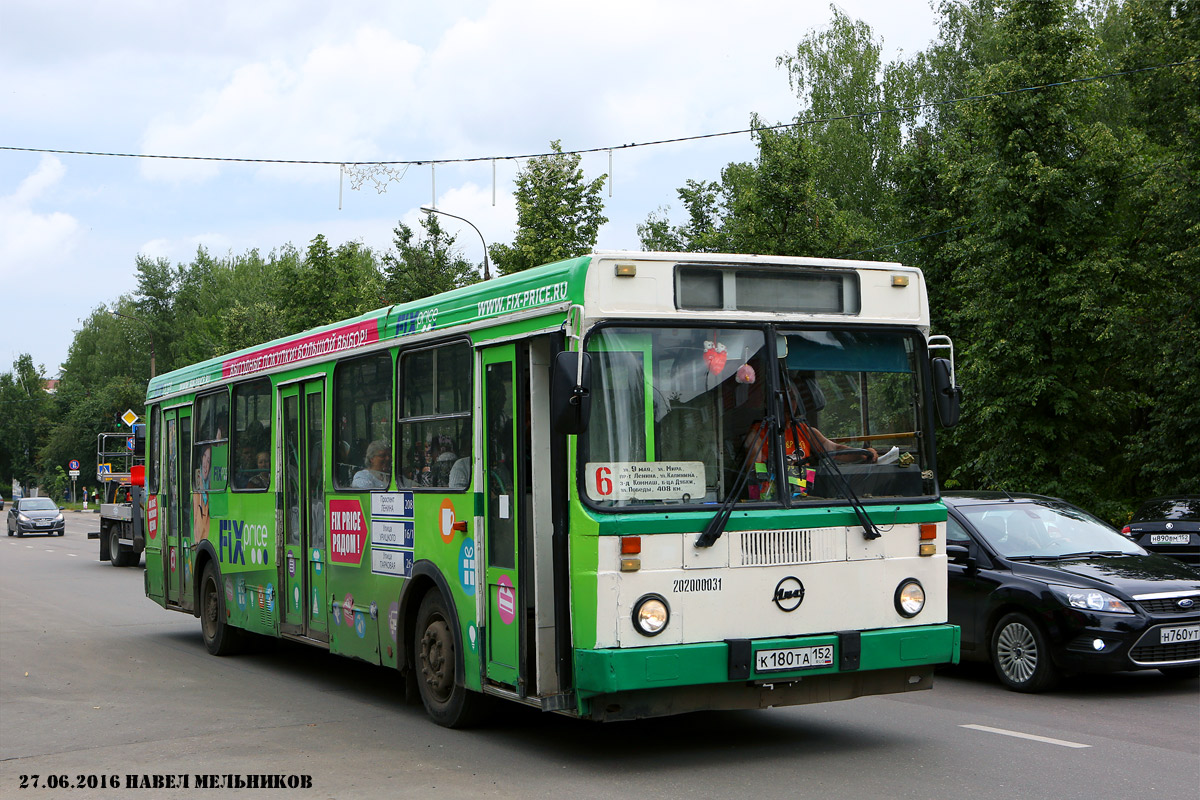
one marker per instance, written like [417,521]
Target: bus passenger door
[177,553]
[501,422]
[303,495]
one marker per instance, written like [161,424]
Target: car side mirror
[571,392]
[947,396]
[958,554]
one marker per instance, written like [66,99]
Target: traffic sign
[73,464]
[129,418]
[74,473]
[129,443]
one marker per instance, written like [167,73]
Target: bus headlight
[650,615]
[910,597]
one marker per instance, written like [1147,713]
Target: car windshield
[1034,529]
[1186,509]
[677,413]
[38,504]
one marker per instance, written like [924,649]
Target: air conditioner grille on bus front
[779,548]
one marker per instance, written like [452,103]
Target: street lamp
[148,331]
[431,210]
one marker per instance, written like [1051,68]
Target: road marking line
[72,555]
[1030,736]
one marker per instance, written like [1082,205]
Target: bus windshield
[678,412]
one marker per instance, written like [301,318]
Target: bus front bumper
[609,671]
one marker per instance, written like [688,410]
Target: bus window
[211,443]
[153,467]
[362,408]
[252,435]
[435,417]
[671,410]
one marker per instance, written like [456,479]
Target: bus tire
[220,638]
[435,642]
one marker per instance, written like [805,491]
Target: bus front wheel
[435,648]
[220,638]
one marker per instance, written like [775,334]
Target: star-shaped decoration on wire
[379,175]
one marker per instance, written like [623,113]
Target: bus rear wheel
[435,654]
[220,638]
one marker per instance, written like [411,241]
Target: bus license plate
[1169,538]
[793,658]
[1176,635]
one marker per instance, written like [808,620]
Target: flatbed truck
[120,460]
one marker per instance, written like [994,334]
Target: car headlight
[910,597]
[1090,599]
[59,518]
[651,614]
[23,518]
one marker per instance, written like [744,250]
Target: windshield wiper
[1086,553]
[716,526]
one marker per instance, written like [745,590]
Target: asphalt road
[96,680]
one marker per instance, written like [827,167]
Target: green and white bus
[559,487]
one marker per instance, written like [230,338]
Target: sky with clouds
[357,80]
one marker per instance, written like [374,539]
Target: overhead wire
[606,148]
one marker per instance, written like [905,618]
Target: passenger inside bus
[261,473]
[377,472]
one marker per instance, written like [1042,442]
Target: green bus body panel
[607,671]
[525,291]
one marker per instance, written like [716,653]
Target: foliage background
[1059,228]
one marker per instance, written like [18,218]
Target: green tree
[25,412]
[1031,279]
[559,213]
[823,185]
[424,265]
[327,285]
[701,234]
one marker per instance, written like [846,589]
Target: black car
[35,515]
[1041,588]
[1168,525]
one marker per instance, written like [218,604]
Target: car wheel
[1021,656]
[1181,673]
[435,645]
[220,638]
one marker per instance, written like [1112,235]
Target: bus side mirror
[571,392]
[139,440]
[946,395]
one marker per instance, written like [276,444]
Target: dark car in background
[1168,525]
[1041,588]
[35,515]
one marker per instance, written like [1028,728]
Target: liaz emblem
[789,594]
